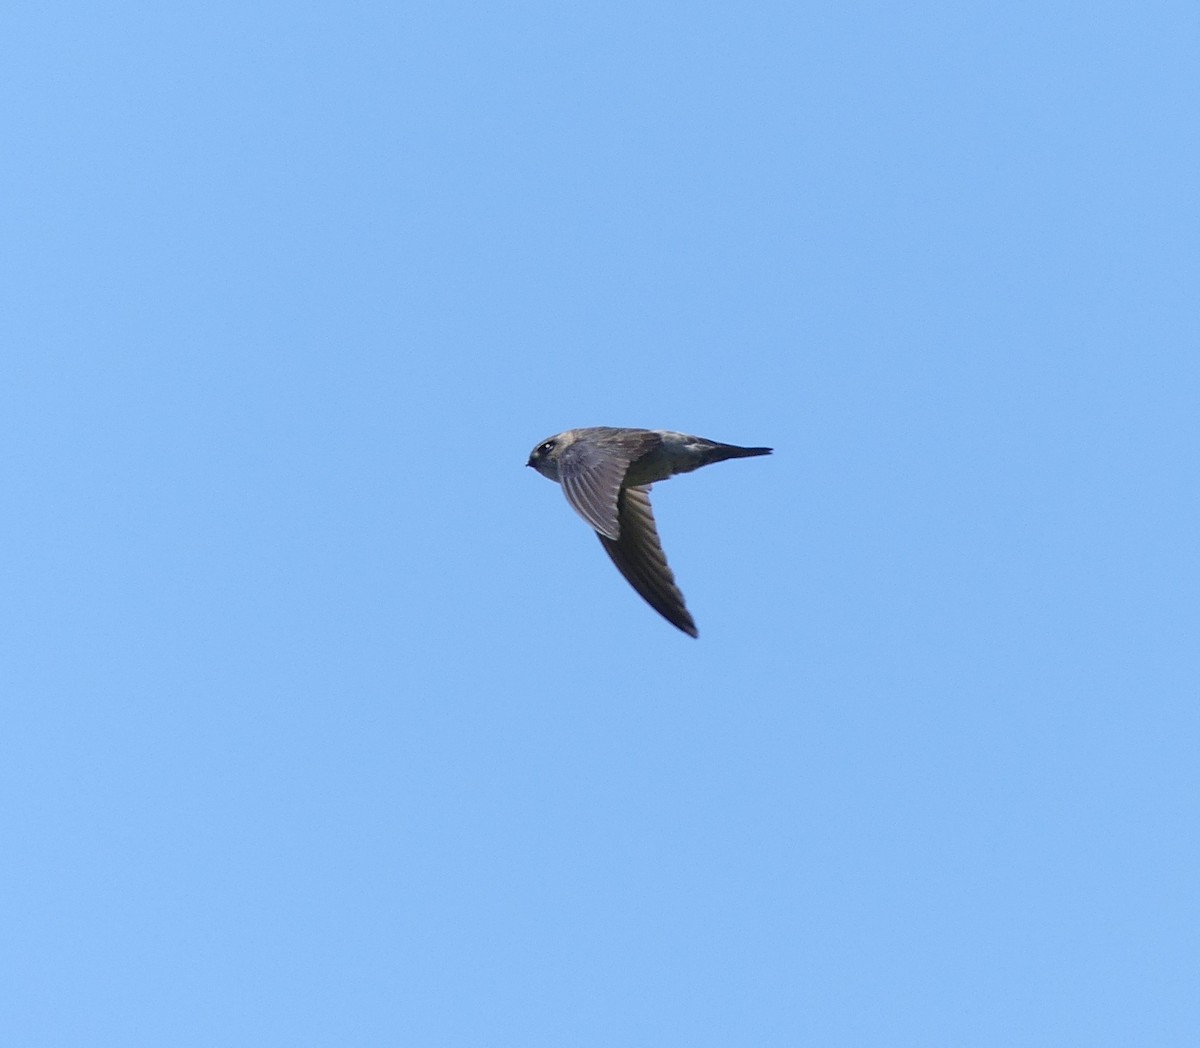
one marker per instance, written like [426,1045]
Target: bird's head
[544,458]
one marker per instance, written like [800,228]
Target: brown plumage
[606,474]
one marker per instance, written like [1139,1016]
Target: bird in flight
[606,473]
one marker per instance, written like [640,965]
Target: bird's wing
[639,556]
[592,472]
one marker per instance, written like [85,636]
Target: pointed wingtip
[683,622]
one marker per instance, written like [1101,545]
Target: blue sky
[325,722]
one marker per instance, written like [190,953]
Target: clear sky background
[325,722]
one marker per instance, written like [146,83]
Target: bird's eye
[546,448]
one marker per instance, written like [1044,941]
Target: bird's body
[606,473]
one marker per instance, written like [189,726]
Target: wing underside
[592,472]
[639,556]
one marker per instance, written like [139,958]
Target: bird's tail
[720,452]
